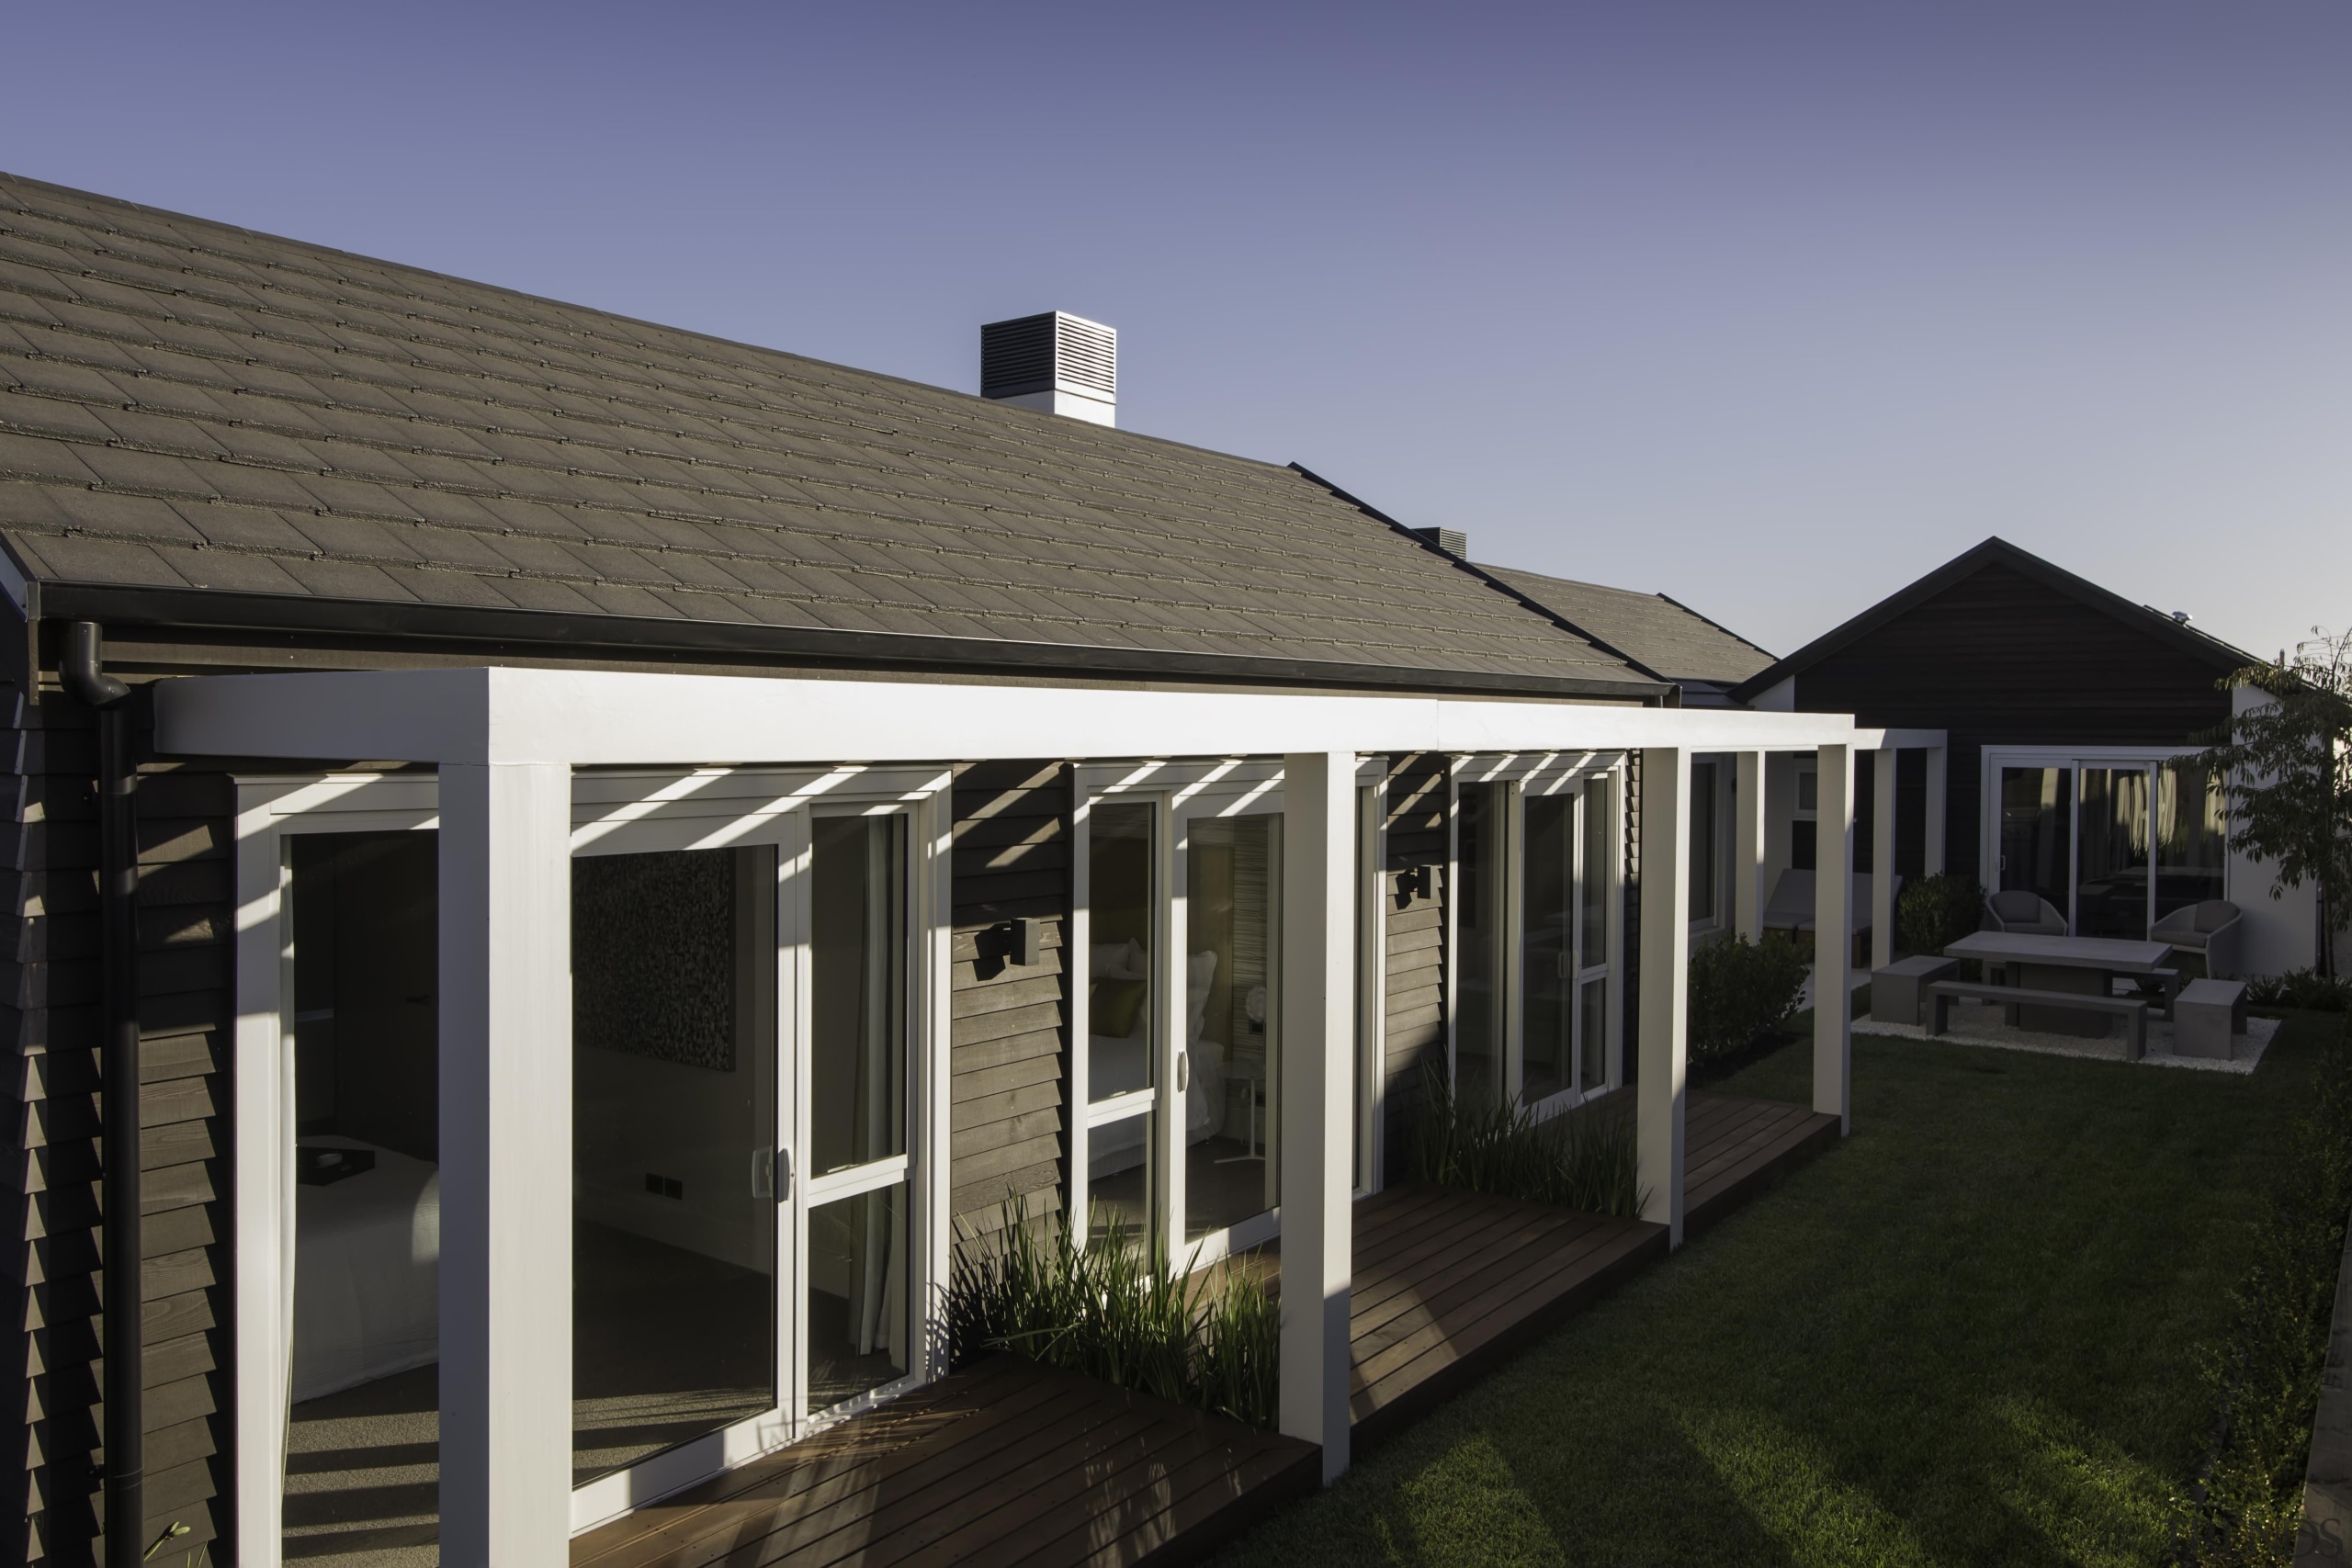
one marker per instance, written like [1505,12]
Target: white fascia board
[609,719]
[1896,740]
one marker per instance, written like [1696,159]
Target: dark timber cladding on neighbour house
[1999,646]
[244,453]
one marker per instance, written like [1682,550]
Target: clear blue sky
[1772,307]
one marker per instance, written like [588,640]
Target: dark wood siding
[54,1171]
[2000,659]
[1007,1041]
[1414,1004]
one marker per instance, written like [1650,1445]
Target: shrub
[1936,911]
[2305,988]
[1108,1310]
[1741,991]
[2265,1374]
[1584,1159]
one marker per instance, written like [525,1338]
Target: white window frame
[618,810]
[2150,759]
[1540,773]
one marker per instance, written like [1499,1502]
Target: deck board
[1009,1462]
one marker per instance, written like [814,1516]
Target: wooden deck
[1010,1462]
[1735,1148]
[1448,1283]
[1007,1463]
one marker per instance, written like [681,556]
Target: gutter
[556,634]
[83,668]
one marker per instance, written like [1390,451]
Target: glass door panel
[1596,876]
[1547,966]
[2191,837]
[1481,932]
[673,1132]
[1232,1029]
[1122,1033]
[858,1293]
[2111,891]
[2037,833]
[364,1386]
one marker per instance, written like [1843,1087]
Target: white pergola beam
[1883,856]
[1659,1094]
[1318,985]
[1833,1027]
[505,1132]
[606,718]
[1748,847]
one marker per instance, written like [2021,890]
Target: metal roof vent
[1056,362]
[1453,541]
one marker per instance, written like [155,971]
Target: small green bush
[1936,911]
[1584,1159]
[1741,991]
[1106,1309]
[2264,1374]
[2305,988]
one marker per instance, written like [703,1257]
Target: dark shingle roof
[1670,640]
[202,414]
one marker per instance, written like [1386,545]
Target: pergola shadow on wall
[509,747]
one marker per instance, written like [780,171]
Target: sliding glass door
[744,1249]
[1562,974]
[2113,843]
[1229,1066]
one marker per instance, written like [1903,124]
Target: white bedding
[366,1274]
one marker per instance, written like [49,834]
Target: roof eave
[545,634]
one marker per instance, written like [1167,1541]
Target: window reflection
[1480,927]
[1121,966]
[1231,1032]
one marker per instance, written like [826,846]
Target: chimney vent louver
[1055,361]
[1453,541]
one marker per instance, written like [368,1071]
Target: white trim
[604,718]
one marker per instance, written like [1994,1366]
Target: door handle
[1183,1071]
[783,1182]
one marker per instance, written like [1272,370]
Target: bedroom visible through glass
[1121,966]
[1232,1024]
[674,1139]
[364,1430]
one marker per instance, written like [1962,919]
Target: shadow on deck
[1011,1462]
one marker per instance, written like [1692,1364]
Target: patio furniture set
[2049,982]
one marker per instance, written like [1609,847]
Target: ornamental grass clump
[2300,988]
[1741,993]
[1583,1159]
[2264,1375]
[1109,1309]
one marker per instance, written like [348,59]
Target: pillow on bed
[1198,975]
[1118,961]
[1116,1006]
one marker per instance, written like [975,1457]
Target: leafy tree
[2286,765]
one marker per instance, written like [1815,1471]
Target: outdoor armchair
[2214,927]
[2020,909]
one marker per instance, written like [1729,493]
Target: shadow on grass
[1966,1335]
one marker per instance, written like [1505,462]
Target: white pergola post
[1666,950]
[1939,759]
[1748,848]
[1832,1026]
[505,1053]
[1319,985]
[1883,858]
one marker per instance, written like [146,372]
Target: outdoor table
[2084,965]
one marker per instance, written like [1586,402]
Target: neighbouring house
[558,860]
[2070,716]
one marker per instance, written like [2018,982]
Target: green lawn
[1967,1335]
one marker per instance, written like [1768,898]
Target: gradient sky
[1769,307]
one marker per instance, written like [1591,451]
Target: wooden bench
[1941,994]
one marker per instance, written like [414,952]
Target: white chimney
[1056,362]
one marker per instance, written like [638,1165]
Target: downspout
[84,674]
